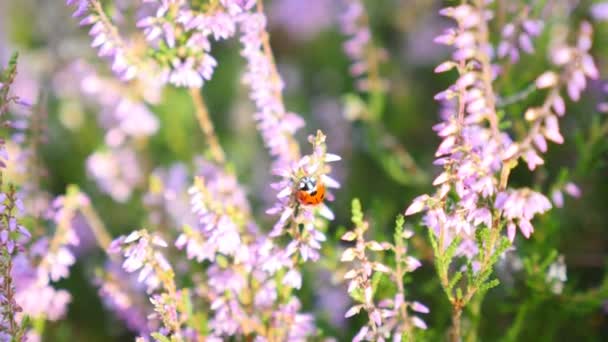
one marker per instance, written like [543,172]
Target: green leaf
[487,286]
[451,250]
[433,240]
[455,278]
[160,337]
[357,294]
[548,260]
[357,213]
[222,261]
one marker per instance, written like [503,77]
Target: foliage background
[307,44]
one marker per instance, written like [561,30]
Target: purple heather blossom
[238,6]
[105,38]
[519,207]
[277,128]
[48,260]
[259,259]
[37,300]
[299,326]
[316,166]
[168,197]
[276,125]
[599,11]
[122,114]
[194,65]
[390,317]
[557,196]
[57,260]
[474,151]
[12,236]
[225,228]
[116,171]
[578,64]
[121,294]
[222,209]
[181,36]
[359,46]
[518,34]
[319,16]
[139,251]
[471,175]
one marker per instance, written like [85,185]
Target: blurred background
[387,156]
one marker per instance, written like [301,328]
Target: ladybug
[310,192]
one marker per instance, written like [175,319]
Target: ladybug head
[307,184]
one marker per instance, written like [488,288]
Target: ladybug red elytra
[310,192]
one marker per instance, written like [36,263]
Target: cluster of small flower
[126,119]
[48,260]
[472,145]
[477,157]
[365,57]
[179,36]
[517,35]
[390,318]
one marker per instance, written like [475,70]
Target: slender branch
[486,68]
[269,54]
[276,78]
[97,227]
[455,333]
[487,78]
[202,115]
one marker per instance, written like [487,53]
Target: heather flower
[222,211]
[224,234]
[139,249]
[277,128]
[291,212]
[48,260]
[167,198]
[517,35]
[359,47]
[474,155]
[120,294]
[391,317]
[188,64]
[319,16]
[276,125]
[473,200]
[519,207]
[179,36]
[105,37]
[576,65]
[299,326]
[58,258]
[576,62]
[116,171]
[123,108]
[557,196]
[256,262]
[599,11]
[12,235]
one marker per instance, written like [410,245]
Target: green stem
[475,315]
